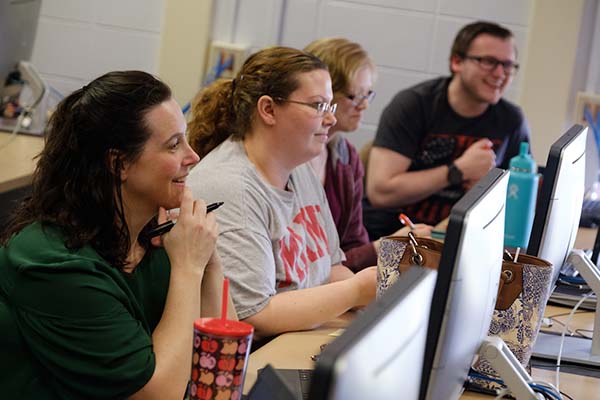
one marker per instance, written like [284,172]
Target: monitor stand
[576,350]
[504,362]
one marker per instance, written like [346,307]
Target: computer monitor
[380,354]
[558,207]
[467,286]
[592,162]
[553,236]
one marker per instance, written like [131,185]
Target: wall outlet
[225,60]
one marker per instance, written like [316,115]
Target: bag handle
[511,277]
[416,257]
[423,252]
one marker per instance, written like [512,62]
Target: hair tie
[234,82]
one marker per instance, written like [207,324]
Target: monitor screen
[18,25]
[466,288]
[559,203]
[380,354]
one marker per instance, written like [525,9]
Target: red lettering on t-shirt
[308,218]
[290,250]
[304,243]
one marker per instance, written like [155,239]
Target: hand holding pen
[192,239]
[167,226]
[422,230]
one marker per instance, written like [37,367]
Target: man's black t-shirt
[420,124]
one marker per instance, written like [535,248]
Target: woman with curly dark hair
[88,307]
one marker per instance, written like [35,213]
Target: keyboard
[590,214]
[298,380]
[568,295]
[281,384]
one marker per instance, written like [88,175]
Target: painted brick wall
[77,40]
[408,39]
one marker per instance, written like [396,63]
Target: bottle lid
[223,327]
[523,162]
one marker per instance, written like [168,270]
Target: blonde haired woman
[338,165]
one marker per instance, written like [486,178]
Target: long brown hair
[227,107]
[76,185]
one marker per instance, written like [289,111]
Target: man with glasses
[436,139]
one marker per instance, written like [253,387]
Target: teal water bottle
[520,198]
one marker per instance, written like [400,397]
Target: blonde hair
[343,58]
[227,107]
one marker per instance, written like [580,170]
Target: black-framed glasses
[321,107]
[489,63]
[357,99]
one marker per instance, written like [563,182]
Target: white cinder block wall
[78,40]
[409,40]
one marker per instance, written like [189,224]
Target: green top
[71,325]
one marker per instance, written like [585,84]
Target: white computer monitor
[559,204]
[553,236]
[380,355]
[467,286]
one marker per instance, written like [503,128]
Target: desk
[16,160]
[293,350]
[585,238]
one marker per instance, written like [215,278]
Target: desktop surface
[17,162]
[294,350]
[585,238]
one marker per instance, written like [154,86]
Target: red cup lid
[223,327]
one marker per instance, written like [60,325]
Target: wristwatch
[455,176]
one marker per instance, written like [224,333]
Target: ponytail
[212,117]
[227,108]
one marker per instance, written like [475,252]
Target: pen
[406,221]
[167,226]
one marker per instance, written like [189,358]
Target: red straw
[224,299]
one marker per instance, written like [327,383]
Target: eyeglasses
[321,108]
[488,63]
[357,99]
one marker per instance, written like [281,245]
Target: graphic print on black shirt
[440,149]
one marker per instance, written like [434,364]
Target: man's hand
[477,160]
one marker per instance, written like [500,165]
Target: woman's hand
[421,230]
[191,242]
[163,216]
[366,281]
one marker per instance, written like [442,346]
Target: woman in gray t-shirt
[277,238]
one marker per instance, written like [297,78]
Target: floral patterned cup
[221,349]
